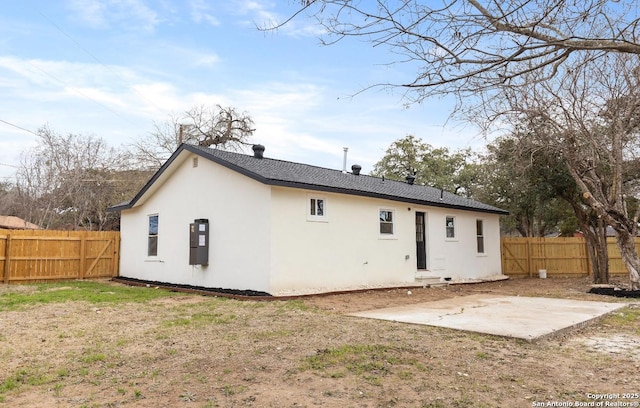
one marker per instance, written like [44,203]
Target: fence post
[83,256]
[7,258]
[529,257]
[116,255]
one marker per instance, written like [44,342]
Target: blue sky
[112,68]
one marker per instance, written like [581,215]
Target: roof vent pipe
[410,179]
[356,169]
[258,151]
[344,160]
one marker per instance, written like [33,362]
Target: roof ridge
[209,149]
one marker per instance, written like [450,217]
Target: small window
[451,227]
[152,247]
[386,222]
[317,207]
[480,236]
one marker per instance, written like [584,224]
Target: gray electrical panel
[199,242]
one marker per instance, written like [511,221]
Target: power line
[19,127]
[141,95]
[78,91]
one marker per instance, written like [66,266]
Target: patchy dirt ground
[195,351]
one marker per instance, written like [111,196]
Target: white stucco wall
[261,237]
[458,258]
[347,251]
[238,210]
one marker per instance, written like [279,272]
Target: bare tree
[69,181]
[471,46]
[218,127]
[590,120]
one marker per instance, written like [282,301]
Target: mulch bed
[194,289]
[617,292]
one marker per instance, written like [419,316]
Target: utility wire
[101,63]
[19,127]
[79,92]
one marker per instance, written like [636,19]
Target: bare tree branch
[470,46]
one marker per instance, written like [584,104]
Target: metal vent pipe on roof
[410,179]
[258,151]
[356,169]
[344,160]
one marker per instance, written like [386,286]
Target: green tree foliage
[510,180]
[436,167]
[530,180]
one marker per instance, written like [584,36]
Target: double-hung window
[480,236]
[386,222]
[152,241]
[450,226]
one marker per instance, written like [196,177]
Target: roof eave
[328,189]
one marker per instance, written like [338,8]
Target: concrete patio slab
[508,316]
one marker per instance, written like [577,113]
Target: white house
[288,228]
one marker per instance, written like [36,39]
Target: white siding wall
[238,210]
[345,252]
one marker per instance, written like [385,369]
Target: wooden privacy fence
[41,255]
[559,256]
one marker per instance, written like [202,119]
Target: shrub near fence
[567,257]
[41,255]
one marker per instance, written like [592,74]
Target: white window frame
[394,223]
[479,237]
[151,236]
[312,208]
[447,227]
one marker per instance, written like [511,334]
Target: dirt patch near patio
[196,351]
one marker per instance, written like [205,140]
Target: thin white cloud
[201,13]
[262,14]
[127,14]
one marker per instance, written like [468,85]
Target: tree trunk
[595,235]
[630,258]
[598,255]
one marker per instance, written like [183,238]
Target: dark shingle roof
[298,175]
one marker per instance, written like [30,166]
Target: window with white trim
[480,236]
[317,208]
[152,240]
[386,222]
[450,226]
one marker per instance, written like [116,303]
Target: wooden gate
[41,255]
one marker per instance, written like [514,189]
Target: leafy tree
[511,181]
[436,167]
[218,126]
[533,183]
[589,120]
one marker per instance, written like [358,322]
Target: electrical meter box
[199,242]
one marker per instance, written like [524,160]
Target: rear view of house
[226,220]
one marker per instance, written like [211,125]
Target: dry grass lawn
[180,350]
